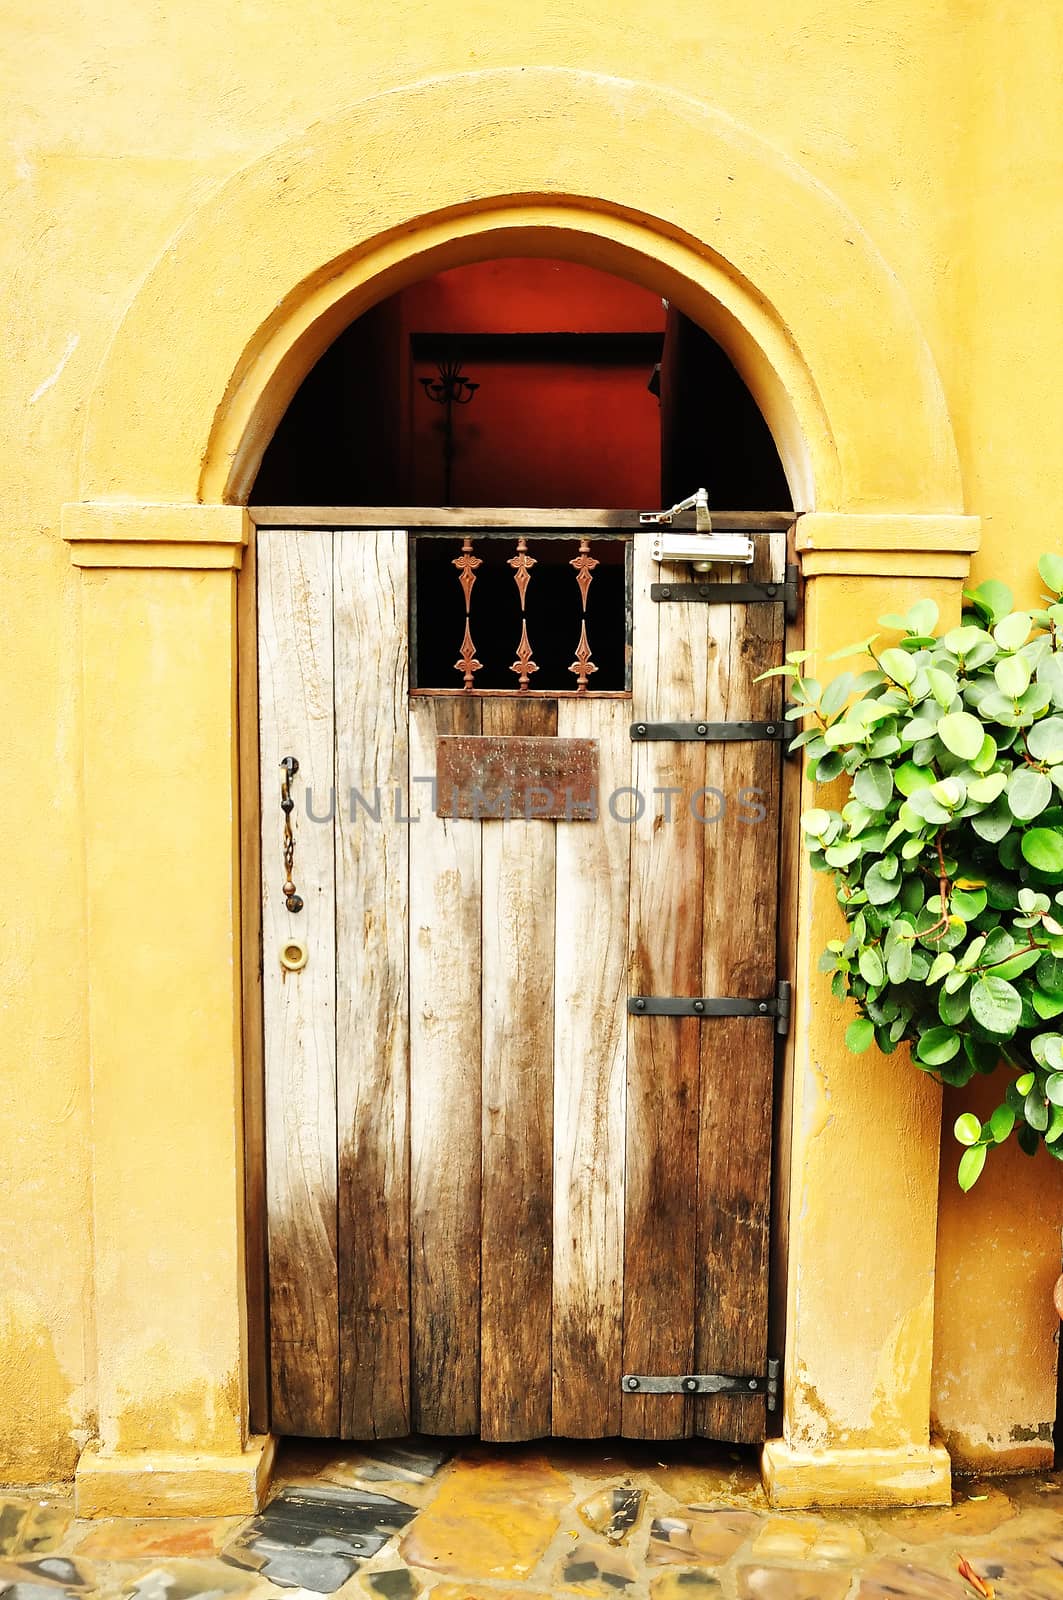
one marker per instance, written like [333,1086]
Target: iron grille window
[538,614]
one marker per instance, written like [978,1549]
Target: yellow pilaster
[864,1155]
[159,669]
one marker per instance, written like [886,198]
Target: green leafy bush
[948,853]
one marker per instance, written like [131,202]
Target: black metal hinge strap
[694,1383]
[731,594]
[710,732]
[703,1005]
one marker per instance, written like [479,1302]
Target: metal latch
[694,1383]
[704,1005]
[732,594]
[702,547]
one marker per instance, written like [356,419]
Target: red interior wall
[579,432]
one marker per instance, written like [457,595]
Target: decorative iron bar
[522,648]
[583,665]
[467,564]
[522,564]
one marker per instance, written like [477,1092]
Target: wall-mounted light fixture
[449,389]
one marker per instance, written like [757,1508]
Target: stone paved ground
[652,1523]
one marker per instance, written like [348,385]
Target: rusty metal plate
[480,778]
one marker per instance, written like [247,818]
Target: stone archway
[258,281]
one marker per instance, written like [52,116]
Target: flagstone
[47,1571]
[708,1537]
[888,1579]
[165,1536]
[476,1591]
[592,1568]
[490,1519]
[792,1583]
[707,1485]
[693,1583]
[966,1518]
[392,1583]
[191,1580]
[614,1512]
[29,1525]
[805,1539]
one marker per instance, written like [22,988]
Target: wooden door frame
[413,519]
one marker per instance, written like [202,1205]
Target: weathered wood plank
[737,1054]
[372,987]
[590,1089]
[296,718]
[445,1108]
[518,1025]
[256,1239]
[671,663]
[493,517]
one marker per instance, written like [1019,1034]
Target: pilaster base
[806,1479]
[173,1483]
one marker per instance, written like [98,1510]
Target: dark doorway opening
[522,382]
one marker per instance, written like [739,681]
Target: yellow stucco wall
[932,128]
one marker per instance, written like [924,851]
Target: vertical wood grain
[372,988]
[590,1089]
[296,718]
[445,1107]
[253,1087]
[670,682]
[738,1053]
[518,1027]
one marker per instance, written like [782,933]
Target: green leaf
[971,1163]
[1051,569]
[899,962]
[1043,849]
[938,1045]
[816,822]
[845,733]
[1054,1088]
[968,903]
[859,1035]
[1012,632]
[994,598]
[1045,740]
[1025,1083]
[943,686]
[961,641]
[922,618]
[898,665]
[1029,792]
[1050,972]
[873,785]
[986,790]
[836,693]
[827,768]
[1012,675]
[941,964]
[879,888]
[910,779]
[1035,1110]
[967,1129]
[996,1005]
[961,733]
[1046,1005]
[871,968]
[1001,1123]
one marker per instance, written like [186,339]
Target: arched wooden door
[518,1054]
